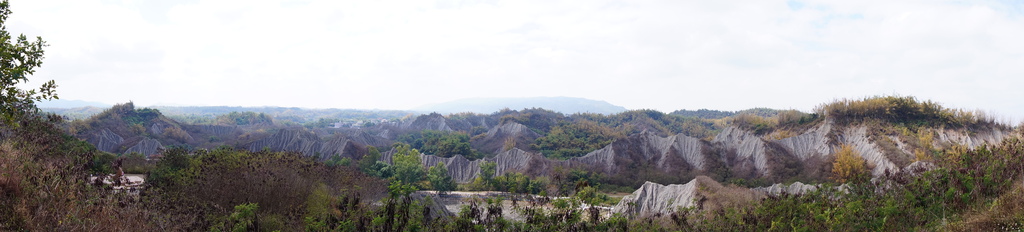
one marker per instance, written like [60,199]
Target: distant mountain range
[567,105]
[70,104]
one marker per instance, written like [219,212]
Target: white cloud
[664,55]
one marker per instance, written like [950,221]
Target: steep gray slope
[737,149]
[970,139]
[145,147]
[857,138]
[106,140]
[653,198]
[497,137]
[812,143]
[369,139]
[463,170]
[307,143]
[794,188]
[701,193]
[648,147]
[426,122]
[749,148]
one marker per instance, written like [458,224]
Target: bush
[849,165]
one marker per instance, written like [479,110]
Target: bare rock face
[106,140]
[969,139]
[363,137]
[666,153]
[289,140]
[427,122]
[857,138]
[464,170]
[496,138]
[653,198]
[305,142]
[701,193]
[779,189]
[156,128]
[516,160]
[461,169]
[749,148]
[146,147]
[742,152]
[433,204]
[813,143]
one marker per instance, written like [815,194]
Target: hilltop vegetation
[903,111]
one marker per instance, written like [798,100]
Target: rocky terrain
[733,151]
[647,159]
[741,151]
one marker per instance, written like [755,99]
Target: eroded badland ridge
[639,150]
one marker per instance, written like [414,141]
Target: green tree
[440,179]
[407,165]
[485,180]
[243,219]
[441,143]
[18,60]
[368,160]
[487,171]
[575,139]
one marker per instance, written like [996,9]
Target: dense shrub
[441,143]
[207,183]
[575,139]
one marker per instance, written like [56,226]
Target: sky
[663,55]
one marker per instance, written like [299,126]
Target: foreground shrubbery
[43,174]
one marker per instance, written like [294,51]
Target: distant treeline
[284,115]
[716,114]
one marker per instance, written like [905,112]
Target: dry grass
[718,197]
[905,110]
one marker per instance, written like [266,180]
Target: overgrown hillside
[756,147]
[886,163]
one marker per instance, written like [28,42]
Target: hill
[735,159]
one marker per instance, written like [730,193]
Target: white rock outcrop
[653,198]
[749,148]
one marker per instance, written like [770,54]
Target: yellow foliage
[176,134]
[924,138]
[781,134]
[510,143]
[848,164]
[921,156]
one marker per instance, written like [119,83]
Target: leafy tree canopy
[18,60]
[441,143]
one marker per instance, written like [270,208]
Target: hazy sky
[663,55]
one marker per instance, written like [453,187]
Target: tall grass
[904,110]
